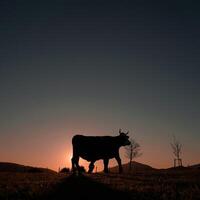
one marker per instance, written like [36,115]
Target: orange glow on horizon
[52,149]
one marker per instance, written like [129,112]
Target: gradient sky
[92,67]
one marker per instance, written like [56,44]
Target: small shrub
[65,170]
[82,169]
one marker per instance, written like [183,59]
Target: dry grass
[26,185]
[156,184]
[146,185]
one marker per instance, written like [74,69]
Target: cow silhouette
[93,148]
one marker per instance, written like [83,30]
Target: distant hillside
[13,167]
[136,166]
[197,166]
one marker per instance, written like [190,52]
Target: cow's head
[124,138]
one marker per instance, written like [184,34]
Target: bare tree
[177,150]
[132,151]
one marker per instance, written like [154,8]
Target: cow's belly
[96,156]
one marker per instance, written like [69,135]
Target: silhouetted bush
[82,169]
[65,170]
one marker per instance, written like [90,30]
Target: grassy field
[26,185]
[155,184]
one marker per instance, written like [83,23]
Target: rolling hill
[13,167]
[197,166]
[136,166]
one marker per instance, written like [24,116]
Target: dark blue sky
[96,66]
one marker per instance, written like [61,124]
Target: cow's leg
[105,162]
[119,163]
[91,167]
[75,164]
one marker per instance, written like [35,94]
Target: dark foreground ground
[82,187]
[151,185]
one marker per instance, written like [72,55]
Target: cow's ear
[120,131]
[127,133]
